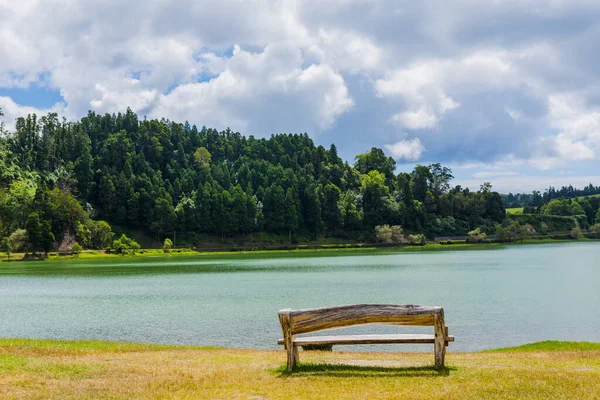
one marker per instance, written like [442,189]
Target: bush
[594,231]
[167,244]
[122,244]
[547,223]
[389,234]
[383,233]
[19,240]
[576,233]
[7,246]
[77,248]
[476,236]
[417,240]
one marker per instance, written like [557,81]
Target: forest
[65,184]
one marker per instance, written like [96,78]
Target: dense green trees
[163,177]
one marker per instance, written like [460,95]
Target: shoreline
[323,250]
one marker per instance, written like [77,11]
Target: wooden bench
[295,322]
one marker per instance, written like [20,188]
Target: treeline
[536,198]
[162,177]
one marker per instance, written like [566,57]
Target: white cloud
[407,150]
[12,111]
[456,72]
[256,87]
[514,114]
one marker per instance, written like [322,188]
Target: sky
[501,91]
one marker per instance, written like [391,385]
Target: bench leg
[439,345]
[292,352]
[288,337]
[296,356]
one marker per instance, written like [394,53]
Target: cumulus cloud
[256,90]
[406,150]
[12,111]
[512,83]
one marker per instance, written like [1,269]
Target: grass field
[588,196]
[516,210]
[31,369]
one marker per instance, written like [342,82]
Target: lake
[492,298]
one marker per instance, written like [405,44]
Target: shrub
[576,233]
[397,234]
[18,240]
[389,234]
[417,240]
[594,231]
[77,248]
[476,236]
[383,233]
[167,244]
[526,231]
[124,243]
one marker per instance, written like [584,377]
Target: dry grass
[32,369]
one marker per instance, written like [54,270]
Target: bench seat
[363,339]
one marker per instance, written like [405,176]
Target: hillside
[172,180]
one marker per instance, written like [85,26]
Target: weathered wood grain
[439,346]
[316,319]
[310,320]
[364,339]
[288,338]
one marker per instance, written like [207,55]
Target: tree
[34,230]
[202,157]
[563,207]
[375,160]
[440,179]
[375,199]
[291,212]
[100,235]
[167,244]
[7,246]
[332,216]
[47,239]
[420,182]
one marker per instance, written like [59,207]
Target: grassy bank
[32,369]
[300,250]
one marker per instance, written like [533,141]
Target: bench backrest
[316,319]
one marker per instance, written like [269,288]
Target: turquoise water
[492,298]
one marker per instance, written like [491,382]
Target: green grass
[551,345]
[46,369]
[514,211]
[299,252]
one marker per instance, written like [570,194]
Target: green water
[492,298]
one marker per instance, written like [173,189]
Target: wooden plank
[299,342]
[315,319]
[364,339]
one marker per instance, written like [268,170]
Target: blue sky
[501,91]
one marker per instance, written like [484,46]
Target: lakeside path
[35,369]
